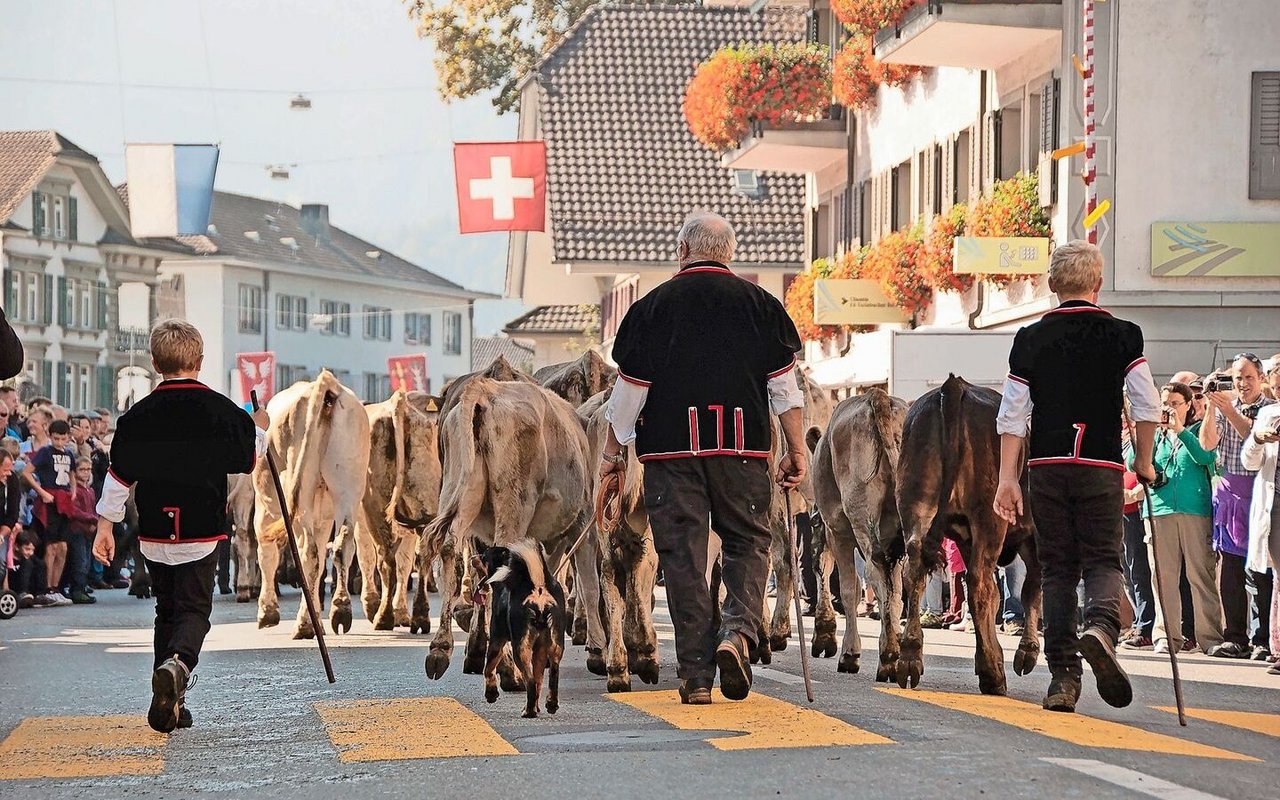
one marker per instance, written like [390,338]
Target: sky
[375,144]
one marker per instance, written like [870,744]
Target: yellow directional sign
[81,747]
[838,301]
[765,721]
[1001,255]
[1074,728]
[413,727]
[1216,249]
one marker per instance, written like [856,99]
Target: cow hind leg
[313,566]
[642,639]
[780,624]
[368,554]
[437,660]
[1028,653]
[616,662]
[586,590]
[887,579]
[268,599]
[824,611]
[921,560]
[842,545]
[405,548]
[388,573]
[477,643]
[983,599]
[420,619]
[344,553]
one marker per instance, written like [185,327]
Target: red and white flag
[257,373]
[502,186]
[408,372]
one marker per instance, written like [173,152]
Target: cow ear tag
[431,405]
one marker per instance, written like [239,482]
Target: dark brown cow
[855,469]
[948,471]
[580,380]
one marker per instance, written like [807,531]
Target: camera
[1164,416]
[1217,385]
[1161,479]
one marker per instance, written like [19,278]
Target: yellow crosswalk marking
[1268,724]
[767,722]
[1073,728]
[408,728]
[81,747]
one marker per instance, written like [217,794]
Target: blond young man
[174,450]
[1069,373]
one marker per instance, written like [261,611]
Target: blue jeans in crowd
[1137,576]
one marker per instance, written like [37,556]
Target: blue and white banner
[170,187]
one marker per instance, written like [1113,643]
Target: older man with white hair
[702,360]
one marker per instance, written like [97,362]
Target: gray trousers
[684,498]
[1186,539]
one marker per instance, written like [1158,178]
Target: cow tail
[399,430]
[951,404]
[882,420]
[464,489]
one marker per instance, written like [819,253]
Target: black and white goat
[527,610]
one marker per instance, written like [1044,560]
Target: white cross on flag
[502,186]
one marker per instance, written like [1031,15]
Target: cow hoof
[824,647]
[417,625]
[510,683]
[462,616]
[1026,657]
[552,706]
[491,694]
[620,682]
[371,609]
[383,622]
[340,619]
[530,714]
[243,596]
[647,670]
[437,663]
[579,632]
[886,673]
[595,662]
[762,653]
[909,672]
[849,663]
[304,633]
[403,621]
[473,665]
[778,642]
[992,685]
[269,619]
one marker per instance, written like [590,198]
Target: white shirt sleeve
[114,496]
[259,442]
[1015,408]
[1144,400]
[784,392]
[624,409]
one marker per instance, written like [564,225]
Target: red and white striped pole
[1090,146]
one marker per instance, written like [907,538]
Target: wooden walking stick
[795,595]
[308,597]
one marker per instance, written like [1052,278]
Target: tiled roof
[278,236]
[25,156]
[623,169]
[485,350]
[554,319]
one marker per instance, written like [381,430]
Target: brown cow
[855,468]
[948,471]
[515,465]
[401,496]
[580,380]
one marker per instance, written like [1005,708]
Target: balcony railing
[974,34]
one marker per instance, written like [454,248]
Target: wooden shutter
[874,198]
[1264,137]
[11,279]
[1048,172]
[66,304]
[47,319]
[106,388]
[948,166]
[71,220]
[37,214]
[46,377]
[64,386]
[975,162]
[990,149]
[103,297]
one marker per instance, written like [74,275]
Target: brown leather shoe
[696,692]
[1064,691]
[1113,683]
[735,666]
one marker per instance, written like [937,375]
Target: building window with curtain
[452,333]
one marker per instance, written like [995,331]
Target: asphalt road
[74,690]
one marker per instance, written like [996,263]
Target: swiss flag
[502,186]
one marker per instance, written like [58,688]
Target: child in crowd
[50,475]
[26,576]
[177,445]
[79,507]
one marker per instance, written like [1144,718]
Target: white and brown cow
[401,496]
[244,543]
[319,438]
[515,466]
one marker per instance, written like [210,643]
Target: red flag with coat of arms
[502,186]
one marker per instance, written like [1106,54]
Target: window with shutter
[106,388]
[971,141]
[1049,141]
[990,150]
[37,214]
[894,197]
[947,175]
[103,311]
[1264,139]
[47,317]
[11,294]
[46,378]
[72,233]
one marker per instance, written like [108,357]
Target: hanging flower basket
[868,16]
[1012,209]
[770,83]
[856,75]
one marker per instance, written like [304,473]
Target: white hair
[708,236]
[1075,268]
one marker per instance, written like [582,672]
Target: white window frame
[342,319]
[59,205]
[284,311]
[85,386]
[451,339]
[249,309]
[84,298]
[33,287]
[300,313]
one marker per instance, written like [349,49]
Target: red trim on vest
[1084,462]
[695,270]
[784,370]
[1137,361]
[634,381]
[719,426]
[182,383]
[1079,310]
[693,429]
[704,454]
[201,540]
[739,435]
[1016,379]
[119,480]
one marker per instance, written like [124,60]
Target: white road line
[779,676]
[1131,779]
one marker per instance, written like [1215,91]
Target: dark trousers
[28,577]
[1235,599]
[1258,584]
[1137,574]
[1079,535]
[732,494]
[184,601]
[79,559]
[224,565]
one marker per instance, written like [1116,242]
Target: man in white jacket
[1259,452]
